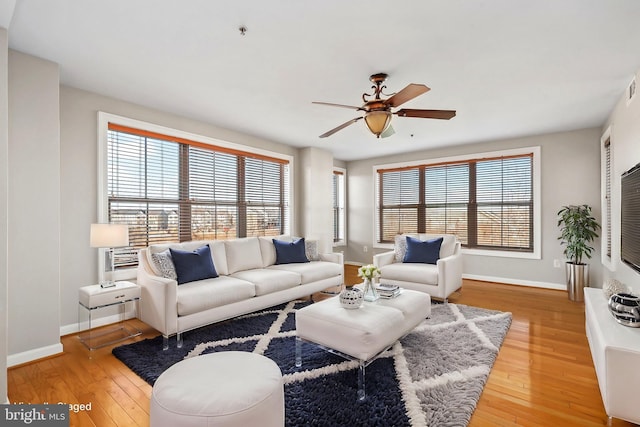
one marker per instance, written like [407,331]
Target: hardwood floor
[543,375]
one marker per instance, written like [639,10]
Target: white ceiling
[509,67]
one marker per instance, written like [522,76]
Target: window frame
[342,199]
[102,189]
[536,186]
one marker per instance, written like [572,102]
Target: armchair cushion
[290,252]
[419,251]
[424,274]
[192,266]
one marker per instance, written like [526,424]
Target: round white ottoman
[229,388]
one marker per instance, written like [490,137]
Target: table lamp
[109,236]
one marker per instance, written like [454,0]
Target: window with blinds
[607,196]
[486,203]
[339,217]
[171,190]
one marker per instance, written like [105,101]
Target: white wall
[34,208]
[570,163]
[4,166]
[78,189]
[624,124]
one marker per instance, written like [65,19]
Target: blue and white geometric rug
[433,377]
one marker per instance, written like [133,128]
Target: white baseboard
[530,283]
[96,323]
[39,353]
[31,355]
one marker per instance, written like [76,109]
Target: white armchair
[438,280]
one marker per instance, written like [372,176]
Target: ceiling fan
[377,111]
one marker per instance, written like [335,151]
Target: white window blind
[607,195]
[339,217]
[170,190]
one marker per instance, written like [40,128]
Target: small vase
[370,293]
[351,298]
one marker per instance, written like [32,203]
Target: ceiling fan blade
[407,94]
[427,114]
[388,132]
[342,126]
[351,107]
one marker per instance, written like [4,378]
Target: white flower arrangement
[368,272]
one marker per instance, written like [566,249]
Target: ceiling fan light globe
[378,121]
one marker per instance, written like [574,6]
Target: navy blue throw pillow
[192,266]
[426,252]
[290,252]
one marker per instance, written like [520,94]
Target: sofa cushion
[193,265]
[268,280]
[163,263]
[290,252]
[217,253]
[312,271]
[194,297]
[419,251]
[417,273]
[243,254]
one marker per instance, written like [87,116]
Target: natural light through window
[173,189]
[489,201]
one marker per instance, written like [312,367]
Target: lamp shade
[109,235]
[378,121]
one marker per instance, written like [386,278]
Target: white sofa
[248,280]
[438,280]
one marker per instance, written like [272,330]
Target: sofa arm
[159,302]
[385,258]
[336,257]
[450,271]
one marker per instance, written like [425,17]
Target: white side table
[122,297]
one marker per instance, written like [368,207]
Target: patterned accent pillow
[400,247]
[164,263]
[311,249]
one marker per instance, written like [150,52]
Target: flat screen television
[630,218]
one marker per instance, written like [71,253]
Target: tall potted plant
[578,229]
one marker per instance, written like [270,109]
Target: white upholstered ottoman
[230,388]
[361,334]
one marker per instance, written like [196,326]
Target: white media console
[615,349]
